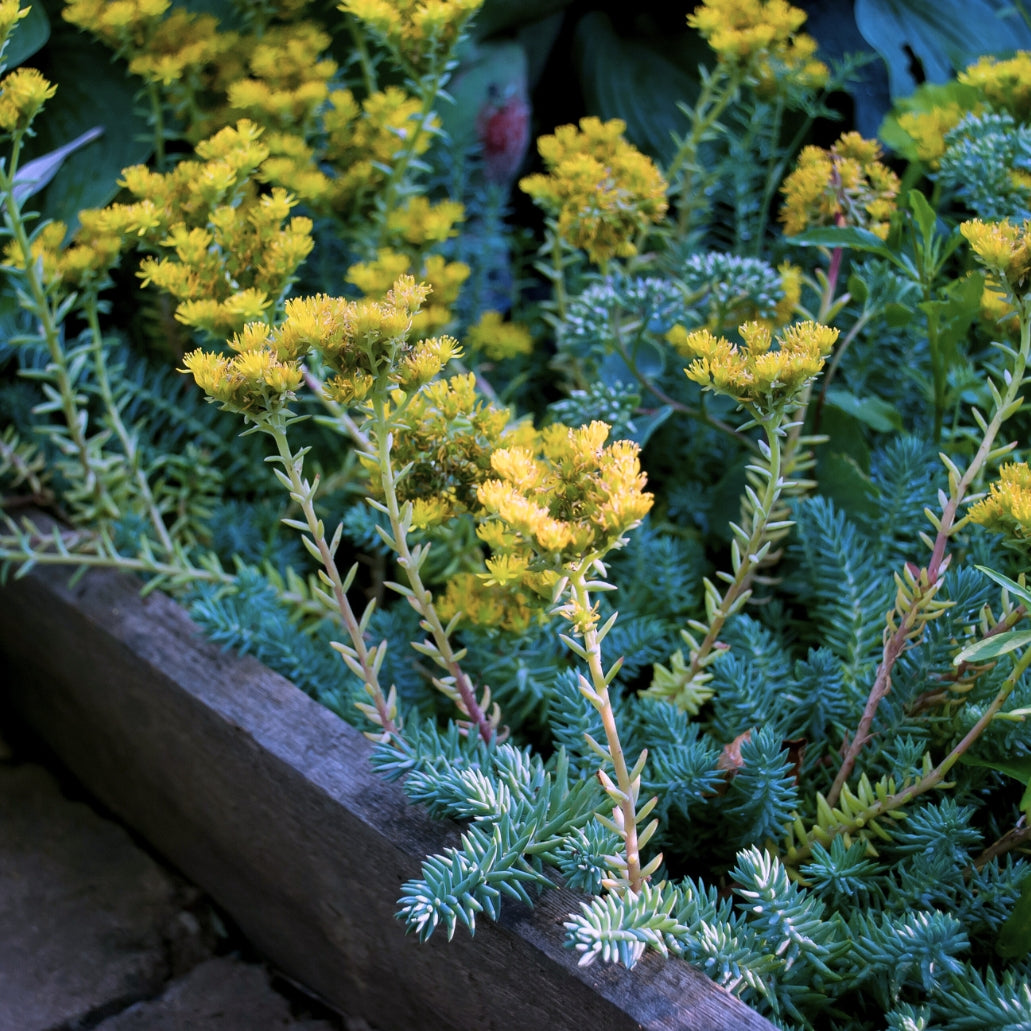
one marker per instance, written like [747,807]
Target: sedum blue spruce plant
[791,747]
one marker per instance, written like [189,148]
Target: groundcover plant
[672,540]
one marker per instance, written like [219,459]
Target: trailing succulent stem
[625,790]
[916,602]
[362,660]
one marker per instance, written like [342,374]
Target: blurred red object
[503,130]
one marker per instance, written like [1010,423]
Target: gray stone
[222,994]
[85,915]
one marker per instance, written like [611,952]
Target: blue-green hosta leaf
[851,237]
[29,35]
[929,40]
[633,79]
[89,177]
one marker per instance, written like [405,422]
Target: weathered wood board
[267,801]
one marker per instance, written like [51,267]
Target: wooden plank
[267,801]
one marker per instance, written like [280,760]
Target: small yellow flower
[1004,83]
[928,129]
[11,12]
[1004,249]
[23,93]
[844,186]
[764,38]
[756,374]
[1007,508]
[602,191]
[498,339]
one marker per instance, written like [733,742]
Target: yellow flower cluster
[420,32]
[233,251]
[763,37]
[928,129]
[180,52]
[261,376]
[126,26]
[449,435]
[514,607]
[364,140]
[445,279]
[1007,508]
[498,339]
[602,190]
[845,186]
[420,223]
[23,93]
[1004,250]
[11,12]
[287,79]
[571,496]
[756,374]
[1005,83]
[84,265]
[365,343]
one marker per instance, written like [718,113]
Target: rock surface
[94,932]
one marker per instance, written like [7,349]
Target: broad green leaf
[632,78]
[1014,938]
[873,411]
[29,36]
[1019,769]
[89,177]
[850,237]
[928,40]
[993,647]
[926,217]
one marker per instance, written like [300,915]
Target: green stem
[747,560]
[901,638]
[708,108]
[457,685]
[364,661]
[627,783]
[114,420]
[929,781]
[47,315]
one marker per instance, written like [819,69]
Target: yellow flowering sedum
[764,38]
[570,496]
[498,339]
[445,447]
[1007,508]
[420,32]
[928,129]
[444,278]
[23,93]
[1005,84]
[601,190]
[846,185]
[757,374]
[1004,249]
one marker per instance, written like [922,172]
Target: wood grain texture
[267,801]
